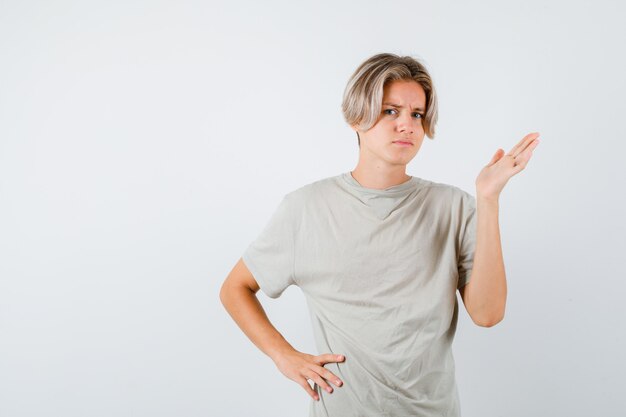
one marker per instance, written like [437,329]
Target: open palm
[494,176]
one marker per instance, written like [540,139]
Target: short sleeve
[467,244]
[270,257]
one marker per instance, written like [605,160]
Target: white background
[144,145]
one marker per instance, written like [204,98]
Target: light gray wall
[144,145]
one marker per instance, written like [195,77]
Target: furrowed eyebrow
[396,105]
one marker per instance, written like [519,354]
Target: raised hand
[494,176]
[301,367]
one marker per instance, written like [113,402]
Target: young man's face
[404,104]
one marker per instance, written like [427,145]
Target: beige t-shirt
[379,270]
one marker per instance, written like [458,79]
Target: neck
[380,178]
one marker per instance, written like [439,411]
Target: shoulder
[312,190]
[447,192]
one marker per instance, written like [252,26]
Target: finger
[329,376]
[314,376]
[304,383]
[533,145]
[525,142]
[328,358]
[521,162]
[521,146]
[525,156]
[528,148]
[524,161]
[496,157]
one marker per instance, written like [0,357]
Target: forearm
[246,310]
[488,291]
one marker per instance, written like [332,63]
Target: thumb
[496,157]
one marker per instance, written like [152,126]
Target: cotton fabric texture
[379,270]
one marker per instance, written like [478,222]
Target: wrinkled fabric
[379,270]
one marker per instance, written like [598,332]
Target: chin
[400,161]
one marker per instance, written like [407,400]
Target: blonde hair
[363,96]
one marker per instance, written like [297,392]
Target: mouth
[403,143]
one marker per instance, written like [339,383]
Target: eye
[416,115]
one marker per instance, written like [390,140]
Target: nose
[405,123]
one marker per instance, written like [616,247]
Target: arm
[238,295]
[484,295]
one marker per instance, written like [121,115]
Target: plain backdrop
[145,144]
